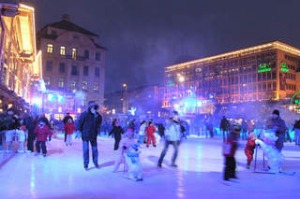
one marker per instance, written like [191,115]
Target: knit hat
[93,104]
[276,112]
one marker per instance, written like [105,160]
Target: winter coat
[249,148]
[296,125]
[172,131]
[279,126]
[150,130]
[116,132]
[8,122]
[89,124]
[69,128]
[233,145]
[225,125]
[42,133]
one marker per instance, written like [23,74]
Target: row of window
[74,69]
[73,84]
[63,50]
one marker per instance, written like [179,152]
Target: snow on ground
[199,174]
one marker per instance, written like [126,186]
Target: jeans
[164,151]
[85,147]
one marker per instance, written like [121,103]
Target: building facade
[145,100]
[267,72]
[19,62]
[73,67]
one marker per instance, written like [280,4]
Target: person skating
[229,149]
[172,136]
[69,129]
[150,130]
[116,132]
[277,124]
[88,124]
[42,132]
[249,148]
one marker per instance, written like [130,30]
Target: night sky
[144,36]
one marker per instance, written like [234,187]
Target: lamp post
[124,97]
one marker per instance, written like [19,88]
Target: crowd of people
[36,131]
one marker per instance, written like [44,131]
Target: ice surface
[199,174]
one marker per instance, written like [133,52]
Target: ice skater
[267,144]
[42,132]
[172,136]
[229,149]
[133,161]
[69,128]
[88,124]
[249,148]
[129,156]
[125,143]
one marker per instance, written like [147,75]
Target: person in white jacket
[172,136]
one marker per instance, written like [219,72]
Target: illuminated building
[73,66]
[266,72]
[19,62]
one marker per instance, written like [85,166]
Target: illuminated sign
[263,68]
[284,67]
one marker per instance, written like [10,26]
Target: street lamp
[125,100]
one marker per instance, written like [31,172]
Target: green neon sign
[297,101]
[263,68]
[284,67]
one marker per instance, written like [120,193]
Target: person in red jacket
[229,149]
[249,148]
[42,132]
[150,130]
[69,128]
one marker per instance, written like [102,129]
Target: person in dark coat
[116,132]
[88,124]
[29,123]
[224,127]
[278,125]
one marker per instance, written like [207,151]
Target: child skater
[125,143]
[42,132]
[229,150]
[69,128]
[133,161]
[129,156]
[249,148]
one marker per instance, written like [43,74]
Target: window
[96,87]
[62,67]
[86,54]
[85,70]
[73,85]
[74,70]
[62,50]
[49,65]
[84,85]
[61,83]
[97,72]
[74,53]
[98,56]
[47,81]
[50,48]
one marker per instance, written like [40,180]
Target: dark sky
[144,36]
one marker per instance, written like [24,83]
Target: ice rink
[199,174]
